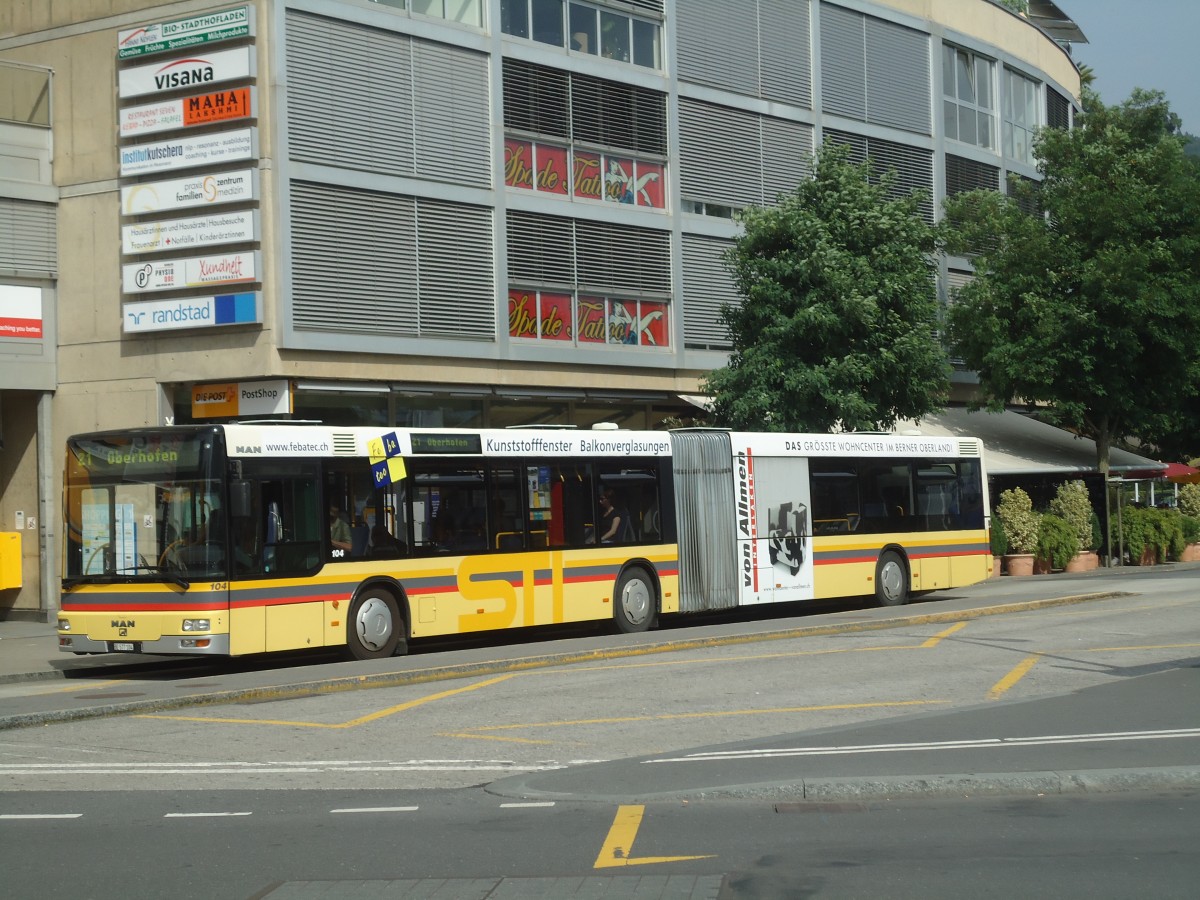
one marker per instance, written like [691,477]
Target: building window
[465,12]
[968,99]
[1020,116]
[585,174]
[574,318]
[584,28]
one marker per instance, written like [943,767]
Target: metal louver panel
[622,258]
[897,76]
[453,121]
[708,565]
[28,236]
[968,175]
[1024,192]
[654,7]
[536,99]
[541,250]
[618,115]
[1058,109]
[719,154]
[354,260]
[349,109]
[787,152]
[717,47]
[456,270]
[707,286]
[785,68]
[913,166]
[843,63]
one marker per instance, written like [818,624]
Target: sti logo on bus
[745,513]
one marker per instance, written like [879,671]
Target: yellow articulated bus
[249,538]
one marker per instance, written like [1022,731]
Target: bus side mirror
[239,499]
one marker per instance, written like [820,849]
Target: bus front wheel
[891,580]
[634,601]
[373,627]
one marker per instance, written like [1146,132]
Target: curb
[465,670]
[851,789]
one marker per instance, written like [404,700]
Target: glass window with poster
[560,317]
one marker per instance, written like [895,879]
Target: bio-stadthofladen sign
[186,152]
[177,34]
[205,189]
[193,312]
[200,271]
[196,71]
[240,226]
[228,105]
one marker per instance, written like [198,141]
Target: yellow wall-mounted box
[10,559]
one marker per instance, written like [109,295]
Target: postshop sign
[241,398]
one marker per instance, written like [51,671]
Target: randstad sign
[193,312]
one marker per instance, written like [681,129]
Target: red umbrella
[1181,474]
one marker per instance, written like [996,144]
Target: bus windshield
[145,507]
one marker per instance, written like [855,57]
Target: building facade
[435,212]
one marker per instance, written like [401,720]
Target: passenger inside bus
[384,545]
[615,524]
[339,530]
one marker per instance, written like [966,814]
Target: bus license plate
[124,646]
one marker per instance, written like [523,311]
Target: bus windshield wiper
[170,577]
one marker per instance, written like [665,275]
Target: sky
[1142,43]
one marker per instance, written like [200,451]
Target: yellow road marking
[664,717]
[618,845]
[361,720]
[90,686]
[937,638]
[492,737]
[1018,672]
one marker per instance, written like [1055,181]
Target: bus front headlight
[196,625]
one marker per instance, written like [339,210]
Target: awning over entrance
[1014,444]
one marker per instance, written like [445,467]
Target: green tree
[1093,308]
[837,323]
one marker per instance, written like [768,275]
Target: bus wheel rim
[373,623]
[890,579]
[635,601]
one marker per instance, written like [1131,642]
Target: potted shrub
[1137,529]
[1058,543]
[1189,506]
[1190,526]
[1071,504]
[999,544]
[1020,522]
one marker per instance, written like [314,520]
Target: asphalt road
[1039,737]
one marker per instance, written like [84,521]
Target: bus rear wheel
[373,626]
[891,580]
[634,602]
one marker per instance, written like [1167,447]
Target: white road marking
[227,767]
[525,805]
[204,815]
[41,816]
[377,809]
[982,744]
